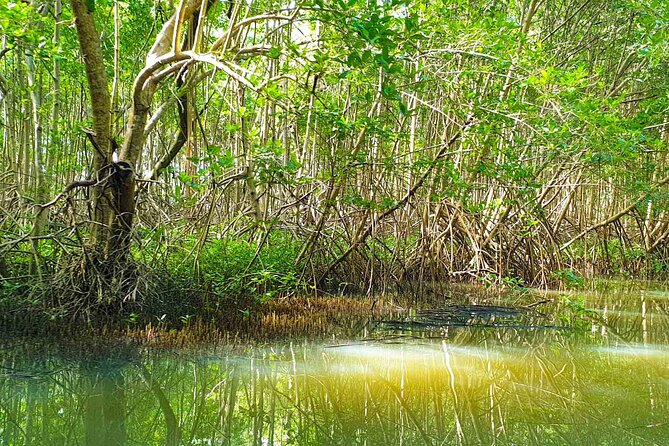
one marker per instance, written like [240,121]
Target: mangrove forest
[342,222]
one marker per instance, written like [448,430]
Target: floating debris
[480,316]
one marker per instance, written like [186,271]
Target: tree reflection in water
[608,384]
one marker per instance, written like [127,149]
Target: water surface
[589,368]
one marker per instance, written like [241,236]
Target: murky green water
[551,375]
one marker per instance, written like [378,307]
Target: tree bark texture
[103,197]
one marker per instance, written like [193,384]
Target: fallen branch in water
[536,304]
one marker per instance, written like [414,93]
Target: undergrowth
[174,284]
[206,277]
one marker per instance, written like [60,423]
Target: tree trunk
[103,197]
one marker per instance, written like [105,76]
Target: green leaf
[390,91]
[353,60]
[274,52]
[403,108]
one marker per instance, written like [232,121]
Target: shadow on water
[437,321]
[499,375]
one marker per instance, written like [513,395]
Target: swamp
[344,222]
[551,374]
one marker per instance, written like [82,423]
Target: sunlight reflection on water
[503,386]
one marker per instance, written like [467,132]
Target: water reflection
[476,386]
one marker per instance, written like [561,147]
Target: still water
[587,368]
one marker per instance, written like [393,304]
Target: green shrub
[239,269]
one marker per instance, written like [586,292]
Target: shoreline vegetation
[168,162]
[332,318]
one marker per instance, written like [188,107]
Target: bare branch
[612,218]
[68,188]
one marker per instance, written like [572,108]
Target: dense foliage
[346,145]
